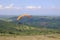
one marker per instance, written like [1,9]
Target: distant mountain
[40,21]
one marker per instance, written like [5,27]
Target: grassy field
[35,37]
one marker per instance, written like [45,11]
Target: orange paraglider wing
[19,17]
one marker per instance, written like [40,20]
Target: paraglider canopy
[19,17]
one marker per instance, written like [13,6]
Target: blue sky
[32,7]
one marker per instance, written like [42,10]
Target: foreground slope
[22,29]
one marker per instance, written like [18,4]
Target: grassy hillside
[33,26]
[10,28]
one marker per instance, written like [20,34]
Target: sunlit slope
[22,29]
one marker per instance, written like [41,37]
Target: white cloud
[9,6]
[12,7]
[33,7]
[39,7]
[30,7]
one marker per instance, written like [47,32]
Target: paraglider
[19,21]
[21,16]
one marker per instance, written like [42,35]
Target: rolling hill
[34,26]
[40,21]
